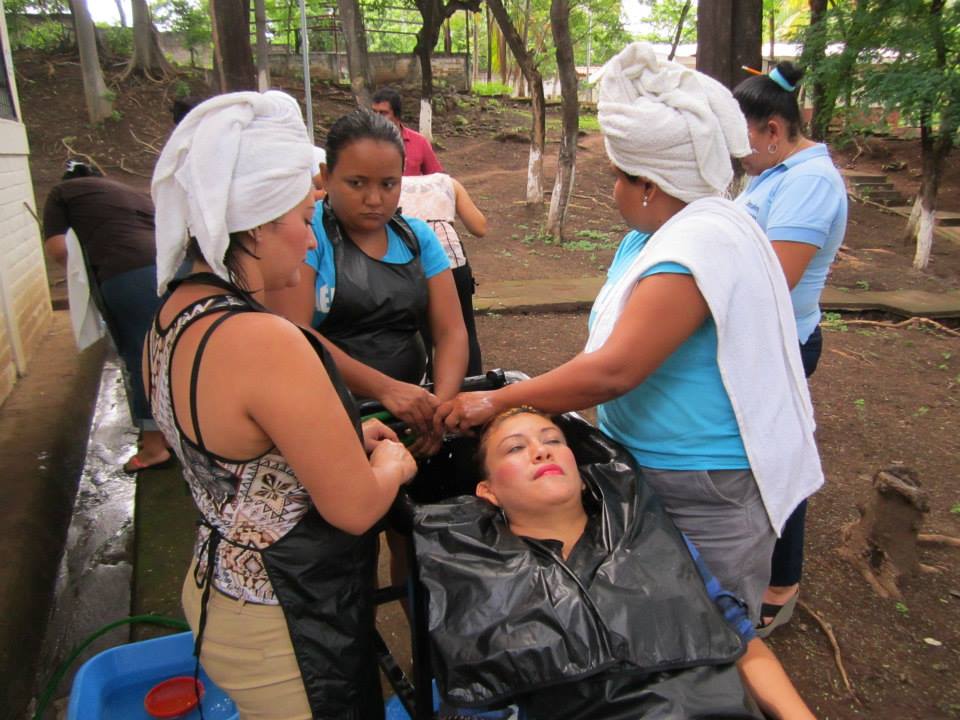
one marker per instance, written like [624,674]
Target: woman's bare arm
[768,683]
[280,387]
[449,336]
[663,310]
[410,403]
[468,212]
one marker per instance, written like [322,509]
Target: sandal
[135,465]
[778,614]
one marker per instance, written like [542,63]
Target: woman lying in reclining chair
[570,592]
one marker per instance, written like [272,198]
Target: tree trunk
[729,36]
[814,50]
[231,35]
[99,99]
[358,61]
[263,48]
[679,33]
[489,48]
[538,130]
[447,37]
[935,147]
[121,12]
[147,59]
[934,151]
[476,51]
[566,163]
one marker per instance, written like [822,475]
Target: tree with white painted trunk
[531,72]
[902,56]
[567,160]
[99,99]
[433,13]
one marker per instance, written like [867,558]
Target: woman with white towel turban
[280,588]
[692,355]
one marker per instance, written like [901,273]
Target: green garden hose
[51,687]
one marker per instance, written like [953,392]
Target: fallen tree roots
[939,327]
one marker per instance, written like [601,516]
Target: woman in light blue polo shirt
[797,196]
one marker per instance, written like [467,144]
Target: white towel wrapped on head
[672,125]
[234,162]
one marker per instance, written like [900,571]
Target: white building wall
[24,294]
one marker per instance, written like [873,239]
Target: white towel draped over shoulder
[740,278]
[234,162]
[670,124]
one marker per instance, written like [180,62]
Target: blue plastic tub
[113,684]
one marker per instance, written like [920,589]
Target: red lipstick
[551,468]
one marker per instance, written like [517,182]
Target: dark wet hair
[231,258]
[361,124]
[762,98]
[182,106]
[389,95]
[77,169]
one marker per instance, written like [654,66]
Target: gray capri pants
[723,515]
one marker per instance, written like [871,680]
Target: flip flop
[779,614]
[135,465]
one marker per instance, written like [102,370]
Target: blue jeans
[131,302]
[786,565]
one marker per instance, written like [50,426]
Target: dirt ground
[882,395]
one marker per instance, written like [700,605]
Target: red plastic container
[173,698]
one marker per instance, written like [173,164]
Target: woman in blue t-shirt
[797,196]
[375,278]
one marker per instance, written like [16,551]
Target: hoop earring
[772,148]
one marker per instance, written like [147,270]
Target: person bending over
[574,595]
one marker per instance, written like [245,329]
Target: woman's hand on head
[375,432]
[412,404]
[427,444]
[391,456]
[466,411]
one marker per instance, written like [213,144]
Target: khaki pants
[247,652]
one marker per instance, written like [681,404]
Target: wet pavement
[93,586]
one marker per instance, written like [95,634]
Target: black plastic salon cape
[324,578]
[631,633]
[378,307]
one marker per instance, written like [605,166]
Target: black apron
[323,578]
[378,307]
[622,629]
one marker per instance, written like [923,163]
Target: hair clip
[781,80]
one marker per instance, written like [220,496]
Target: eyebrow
[548,428]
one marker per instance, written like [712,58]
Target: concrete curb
[577,295]
[43,429]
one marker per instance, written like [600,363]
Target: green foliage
[902,608]
[955,508]
[833,321]
[895,55]
[189,17]
[47,36]
[663,17]
[118,40]
[490,89]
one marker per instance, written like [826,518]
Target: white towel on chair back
[88,325]
[758,353]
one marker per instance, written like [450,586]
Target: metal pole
[305,49]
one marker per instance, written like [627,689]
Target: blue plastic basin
[113,684]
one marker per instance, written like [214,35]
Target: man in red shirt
[420,158]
